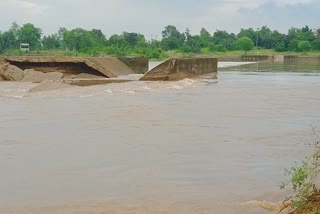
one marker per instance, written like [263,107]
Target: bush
[218,48]
[205,51]
[155,53]
[117,50]
[303,177]
[245,44]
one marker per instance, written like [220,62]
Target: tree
[248,33]
[8,41]
[61,32]
[133,39]
[51,42]
[265,38]
[316,44]
[94,42]
[245,44]
[293,45]
[171,38]
[192,44]
[99,37]
[205,38]
[117,45]
[295,35]
[304,46]
[280,46]
[28,33]
[279,41]
[80,40]
[223,41]
[14,29]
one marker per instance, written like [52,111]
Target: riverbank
[257,55]
[170,54]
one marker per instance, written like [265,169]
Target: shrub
[245,44]
[303,177]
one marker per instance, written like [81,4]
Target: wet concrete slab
[178,69]
[96,81]
[110,67]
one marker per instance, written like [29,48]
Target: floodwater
[193,146]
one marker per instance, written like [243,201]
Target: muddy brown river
[193,146]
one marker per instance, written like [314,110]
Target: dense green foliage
[94,42]
[245,43]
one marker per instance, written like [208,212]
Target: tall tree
[280,41]
[172,38]
[51,42]
[252,34]
[99,37]
[265,38]
[28,33]
[133,39]
[192,44]
[8,41]
[205,38]
[80,40]
[223,41]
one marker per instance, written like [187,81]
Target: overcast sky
[151,16]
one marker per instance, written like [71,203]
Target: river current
[192,146]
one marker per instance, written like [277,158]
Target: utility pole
[257,39]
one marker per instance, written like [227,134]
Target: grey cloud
[151,16]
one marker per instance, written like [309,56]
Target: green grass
[205,52]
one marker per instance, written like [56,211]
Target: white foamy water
[233,64]
[192,146]
[220,64]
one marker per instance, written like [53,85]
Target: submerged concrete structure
[84,71]
[177,69]
[256,58]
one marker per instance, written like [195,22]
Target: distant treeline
[94,42]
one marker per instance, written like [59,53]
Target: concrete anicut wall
[140,65]
[302,58]
[256,58]
[177,69]
[103,66]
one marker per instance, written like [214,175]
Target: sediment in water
[48,85]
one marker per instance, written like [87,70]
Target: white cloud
[232,15]
[283,3]
[31,8]
[233,6]
[150,16]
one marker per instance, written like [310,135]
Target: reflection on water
[289,66]
[155,147]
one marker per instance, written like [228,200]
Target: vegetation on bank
[81,42]
[304,180]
